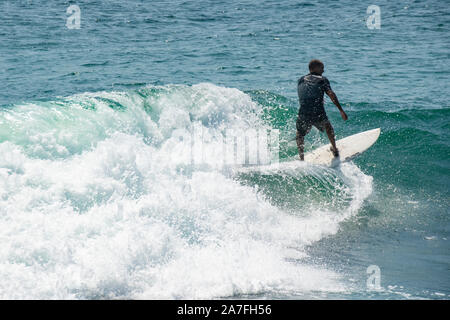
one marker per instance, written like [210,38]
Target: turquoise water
[94,205]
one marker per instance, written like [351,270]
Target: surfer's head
[316,66]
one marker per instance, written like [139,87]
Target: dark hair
[314,64]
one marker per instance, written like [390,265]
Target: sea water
[94,203]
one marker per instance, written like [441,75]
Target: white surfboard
[349,147]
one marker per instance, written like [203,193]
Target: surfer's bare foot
[335,151]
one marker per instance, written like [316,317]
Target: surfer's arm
[335,100]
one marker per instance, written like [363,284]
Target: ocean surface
[93,205]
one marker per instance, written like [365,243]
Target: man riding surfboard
[311,89]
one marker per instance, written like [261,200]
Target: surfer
[311,88]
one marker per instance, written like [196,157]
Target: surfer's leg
[302,130]
[300,145]
[330,133]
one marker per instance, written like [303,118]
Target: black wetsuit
[311,89]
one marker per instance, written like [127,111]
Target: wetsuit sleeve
[326,85]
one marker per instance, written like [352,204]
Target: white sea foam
[97,209]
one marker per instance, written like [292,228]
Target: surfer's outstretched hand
[344,115]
